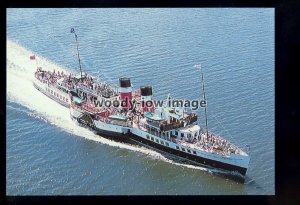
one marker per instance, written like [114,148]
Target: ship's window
[177,147]
[157,140]
[148,137]
[60,97]
[194,152]
[189,151]
[167,144]
[182,135]
[152,138]
[176,133]
[67,100]
[163,134]
[51,91]
[161,142]
[64,98]
[182,149]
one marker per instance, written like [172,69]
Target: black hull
[118,137]
[238,174]
[190,157]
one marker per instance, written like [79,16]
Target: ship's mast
[204,96]
[73,31]
[206,124]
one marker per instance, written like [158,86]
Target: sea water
[49,154]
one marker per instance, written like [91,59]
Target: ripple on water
[48,154]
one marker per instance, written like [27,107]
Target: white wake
[20,73]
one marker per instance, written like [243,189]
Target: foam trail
[20,73]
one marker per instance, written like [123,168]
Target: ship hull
[116,136]
[46,90]
[192,158]
[129,136]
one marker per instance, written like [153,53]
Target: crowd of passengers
[86,82]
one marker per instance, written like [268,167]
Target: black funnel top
[125,82]
[146,90]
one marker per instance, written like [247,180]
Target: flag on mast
[32,57]
[197,66]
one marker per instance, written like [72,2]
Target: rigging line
[108,80]
[215,117]
[62,46]
[68,49]
[230,135]
[51,35]
[100,75]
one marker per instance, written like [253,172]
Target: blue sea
[49,154]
